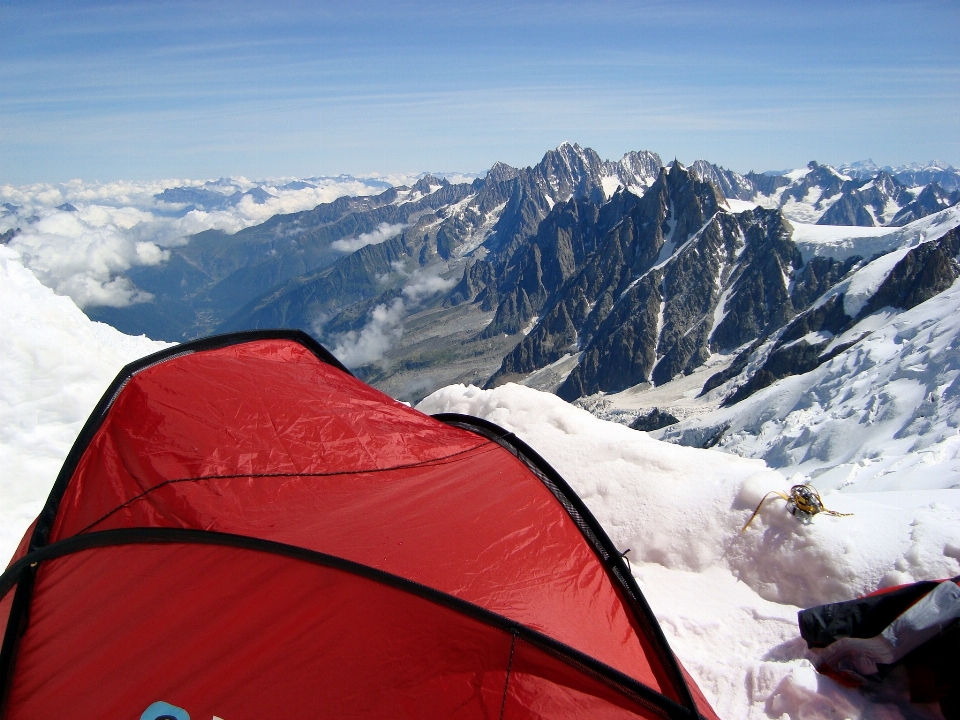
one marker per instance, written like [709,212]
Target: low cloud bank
[384,232]
[385,327]
[81,238]
[375,339]
[425,284]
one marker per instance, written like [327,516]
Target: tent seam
[506,680]
[436,461]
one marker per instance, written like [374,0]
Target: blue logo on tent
[164,711]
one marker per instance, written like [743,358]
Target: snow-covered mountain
[863,387]
[577,275]
[857,194]
[911,174]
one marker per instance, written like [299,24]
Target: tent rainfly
[243,530]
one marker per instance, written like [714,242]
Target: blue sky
[146,90]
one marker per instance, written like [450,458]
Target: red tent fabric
[245,530]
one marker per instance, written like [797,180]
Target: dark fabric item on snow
[861,618]
[933,671]
[244,529]
[915,657]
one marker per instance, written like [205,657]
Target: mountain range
[576,275]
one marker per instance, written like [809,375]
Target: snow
[56,364]
[841,242]
[739,206]
[728,600]
[881,416]
[610,183]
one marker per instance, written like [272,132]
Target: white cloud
[423,284]
[383,233]
[120,225]
[83,254]
[370,344]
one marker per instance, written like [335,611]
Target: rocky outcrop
[730,183]
[505,209]
[808,341]
[352,279]
[848,210]
[798,349]
[644,305]
[867,203]
[561,246]
[653,420]
[759,295]
[925,271]
[477,277]
[766,184]
[930,200]
[822,179]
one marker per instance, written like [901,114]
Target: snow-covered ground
[727,600]
[883,415]
[54,366]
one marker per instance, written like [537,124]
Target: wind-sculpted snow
[56,365]
[728,600]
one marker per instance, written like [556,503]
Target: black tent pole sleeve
[592,531]
[613,678]
[45,520]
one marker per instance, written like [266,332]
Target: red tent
[245,530]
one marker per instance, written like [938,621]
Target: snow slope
[54,366]
[843,241]
[728,600]
[883,415]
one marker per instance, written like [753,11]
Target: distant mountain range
[577,275]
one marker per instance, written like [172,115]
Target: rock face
[925,271]
[654,420]
[498,215]
[930,200]
[594,275]
[215,275]
[822,181]
[809,340]
[867,203]
[676,277]
[730,183]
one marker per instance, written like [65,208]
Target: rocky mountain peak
[428,183]
[501,172]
